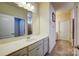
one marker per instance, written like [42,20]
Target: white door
[65,30]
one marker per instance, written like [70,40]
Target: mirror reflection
[11,26]
[29,17]
[14,20]
[19,27]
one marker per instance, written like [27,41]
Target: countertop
[10,45]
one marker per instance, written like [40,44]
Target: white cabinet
[32,46]
[45,45]
[36,49]
[34,52]
[39,48]
[22,52]
[45,49]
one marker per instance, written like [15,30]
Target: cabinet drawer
[33,52]
[45,49]
[46,40]
[35,45]
[38,51]
[22,52]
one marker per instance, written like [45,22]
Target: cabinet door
[45,45]
[36,49]
[33,52]
[31,47]
[40,50]
[45,48]
[22,52]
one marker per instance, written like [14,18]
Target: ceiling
[59,6]
[62,5]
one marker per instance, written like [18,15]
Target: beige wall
[46,25]
[12,10]
[44,18]
[36,20]
[63,15]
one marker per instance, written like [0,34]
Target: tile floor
[62,48]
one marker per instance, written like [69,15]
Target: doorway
[19,27]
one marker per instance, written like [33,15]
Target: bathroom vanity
[14,41]
[34,46]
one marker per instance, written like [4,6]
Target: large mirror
[11,26]
[14,21]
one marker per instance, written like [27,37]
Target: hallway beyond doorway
[62,48]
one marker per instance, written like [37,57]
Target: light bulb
[25,7]
[32,7]
[28,5]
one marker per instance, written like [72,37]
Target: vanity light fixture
[32,7]
[23,3]
[28,6]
